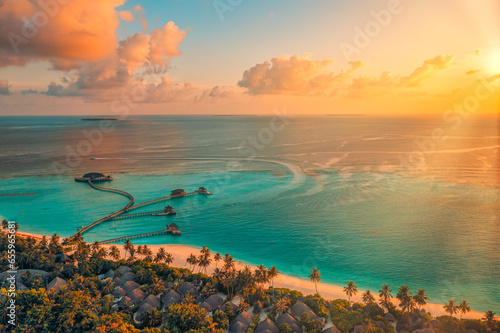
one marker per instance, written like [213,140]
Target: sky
[376,57]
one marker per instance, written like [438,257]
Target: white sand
[328,291]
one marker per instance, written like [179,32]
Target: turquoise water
[323,192]
[373,235]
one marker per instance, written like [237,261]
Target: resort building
[177,192]
[94,177]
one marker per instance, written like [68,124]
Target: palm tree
[169,258]
[192,261]
[463,308]
[420,298]
[101,254]
[108,287]
[385,296]
[489,318]
[160,255]
[147,253]
[367,297]
[272,273]
[128,245]
[229,262]
[450,307]
[132,252]
[205,251]
[157,286]
[201,262]
[315,277]
[152,318]
[261,274]
[282,305]
[140,250]
[351,289]
[217,258]
[405,298]
[95,247]
[114,252]
[5,224]
[44,243]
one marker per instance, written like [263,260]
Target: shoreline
[326,290]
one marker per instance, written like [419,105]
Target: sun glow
[492,62]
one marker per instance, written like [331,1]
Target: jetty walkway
[109,217]
[130,206]
[171,229]
[163,199]
[155,213]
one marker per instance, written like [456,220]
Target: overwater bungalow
[173,228]
[177,192]
[94,177]
[169,210]
[203,191]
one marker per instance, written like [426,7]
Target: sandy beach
[326,290]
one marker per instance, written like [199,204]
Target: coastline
[326,290]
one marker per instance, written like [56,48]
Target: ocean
[371,199]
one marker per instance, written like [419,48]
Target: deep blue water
[314,196]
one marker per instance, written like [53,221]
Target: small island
[97,119]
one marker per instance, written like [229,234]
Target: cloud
[126,16]
[473,71]
[287,75]
[213,94]
[4,87]
[64,34]
[142,18]
[29,91]
[167,91]
[427,70]
[296,75]
[59,90]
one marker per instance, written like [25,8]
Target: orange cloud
[293,75]
[64,34]
[142,18]
[126,16]
[428,69]
[296,75]
[210,95]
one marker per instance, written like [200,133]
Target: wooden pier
[151,202]
[171,229]
[109,217]
[119,214]
[155,213]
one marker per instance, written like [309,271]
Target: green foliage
[185,317]
[293,294]
[285,328]
[221,319]
[473,324]
[339,303]
[345,319]
[318,305]
[229,312]
[95,266]
[404,324]
[396,312]
[447,324]
[373,310]
[370,327]
[304,319]
[314,326]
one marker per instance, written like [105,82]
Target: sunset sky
[74,57]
